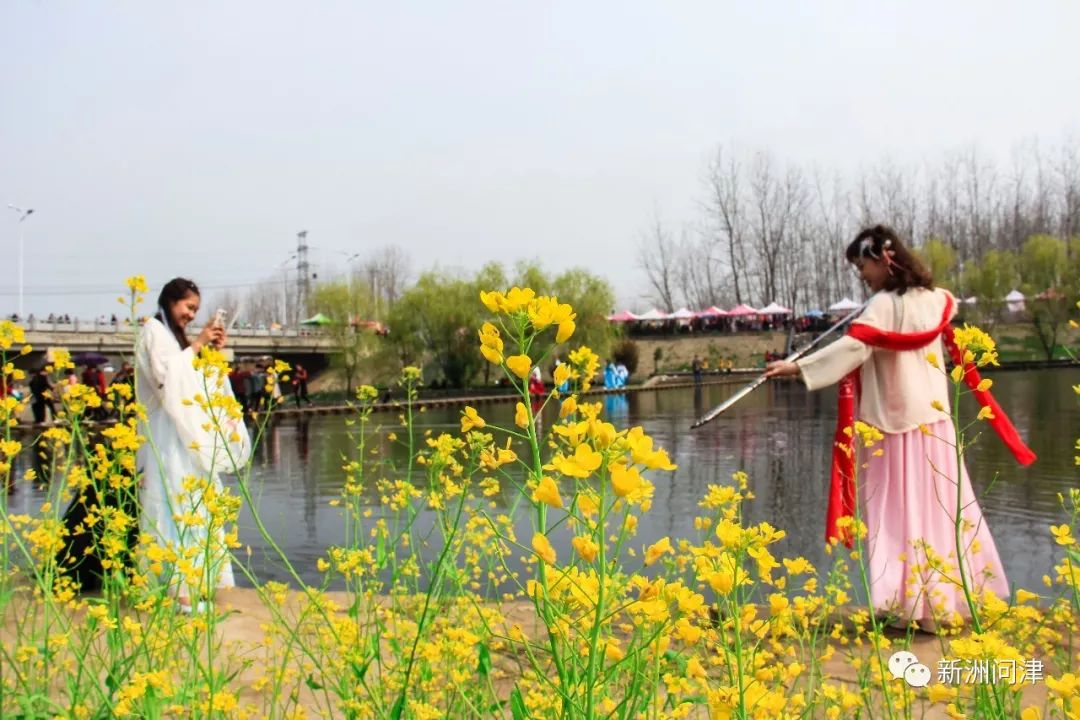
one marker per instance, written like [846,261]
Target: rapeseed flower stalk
[435,621]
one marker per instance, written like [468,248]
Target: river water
[780,436]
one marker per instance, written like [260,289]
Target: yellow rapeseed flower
[979,344]
[520,365]
[583,463]
[657,550]
[585,547]
[470,420]
[11,334]
[137,284]
[521,415]
[542,546]
[547,492]
[624,480]
[1062,534]
[493,300]
[517,299]
[566,329]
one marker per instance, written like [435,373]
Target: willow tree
[348,305]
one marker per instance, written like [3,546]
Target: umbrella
[814,313]
[317,319]
[89,358]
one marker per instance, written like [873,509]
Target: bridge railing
[124,326]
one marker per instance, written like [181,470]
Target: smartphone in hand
[219,318]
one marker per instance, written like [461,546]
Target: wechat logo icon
[904,664]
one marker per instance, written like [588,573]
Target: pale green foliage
[437,319]
[347,304]
[940,259]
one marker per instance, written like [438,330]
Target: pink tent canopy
[624,316]
[741,310]
[712,311]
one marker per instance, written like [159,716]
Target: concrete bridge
[117,341]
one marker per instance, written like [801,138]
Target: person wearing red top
[299,381]
[910,484]
[537,390]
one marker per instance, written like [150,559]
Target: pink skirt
[908,498]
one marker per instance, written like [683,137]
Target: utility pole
[23,214]
[303,276]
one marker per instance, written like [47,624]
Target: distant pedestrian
[41,396]
[299,381]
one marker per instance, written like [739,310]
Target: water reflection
[780,435]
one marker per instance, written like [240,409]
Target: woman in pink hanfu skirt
[909,482]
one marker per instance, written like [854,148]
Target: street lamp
[23,214]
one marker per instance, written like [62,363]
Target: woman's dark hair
[174,291]
[883,244]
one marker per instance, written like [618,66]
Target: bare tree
[777,202]
[698,271]
[228,300]
[772,232]
[386,273]
[726,208]
[1068,177]
[658,255]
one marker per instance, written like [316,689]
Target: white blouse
[898,387]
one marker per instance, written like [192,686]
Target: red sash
[842,484]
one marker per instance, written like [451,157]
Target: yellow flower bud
[520,365]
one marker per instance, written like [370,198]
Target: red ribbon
[842,482]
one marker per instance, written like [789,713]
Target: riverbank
[673,380]
[243,618]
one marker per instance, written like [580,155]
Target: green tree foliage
[348,305]
[1050,284]
[940,259]
[436,320]
[989,280]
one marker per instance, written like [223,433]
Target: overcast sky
[196,138]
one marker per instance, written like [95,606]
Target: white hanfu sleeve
[833,362]
[176,383]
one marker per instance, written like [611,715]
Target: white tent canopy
[843,305]
[1014,301]
[683,314]
[774,308]
[653,314]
